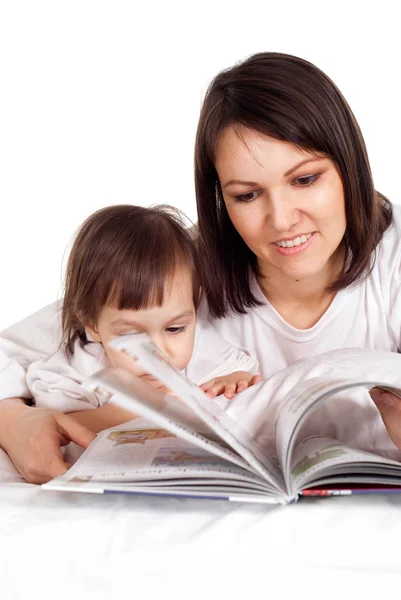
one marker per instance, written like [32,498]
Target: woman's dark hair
[123,256]
[289,99]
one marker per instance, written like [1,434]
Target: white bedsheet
[65,545]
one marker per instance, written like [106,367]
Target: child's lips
[147,377]
[153,381]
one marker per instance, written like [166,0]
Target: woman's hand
[389,406]
[32,437]
[229,385]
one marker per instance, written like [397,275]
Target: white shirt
[55,382]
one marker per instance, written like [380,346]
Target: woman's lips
[295,250]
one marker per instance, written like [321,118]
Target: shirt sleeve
[214,357]
[27,341]
[56,382]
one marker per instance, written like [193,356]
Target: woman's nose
[283,215]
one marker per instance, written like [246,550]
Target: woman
[290,222]
[290,225]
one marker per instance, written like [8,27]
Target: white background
[99,104]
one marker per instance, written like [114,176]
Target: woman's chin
[306,274]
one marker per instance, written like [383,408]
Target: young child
[135,269]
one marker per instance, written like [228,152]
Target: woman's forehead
[244,151]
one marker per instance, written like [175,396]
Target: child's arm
[229,385]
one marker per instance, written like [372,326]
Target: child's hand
[229,385]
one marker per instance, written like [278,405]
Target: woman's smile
[294,246]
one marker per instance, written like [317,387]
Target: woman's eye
[175,329]
[305,181]
[248,197]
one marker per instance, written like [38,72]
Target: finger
[383,400]
[206,386]
[56,466]
[242,385]
[215,390]
[389,407]
[75,432]
[45,464]
[255,379]
[229,390]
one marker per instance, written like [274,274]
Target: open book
[248,449]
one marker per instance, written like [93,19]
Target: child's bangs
[140,284]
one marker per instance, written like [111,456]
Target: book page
[145,453]
[317,458]
[209,411]
[166,411]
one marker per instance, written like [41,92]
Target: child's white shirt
[56,382]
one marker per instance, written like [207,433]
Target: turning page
[328,374]
[166,411]
[140,348]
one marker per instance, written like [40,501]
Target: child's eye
[306,180]
[175,329]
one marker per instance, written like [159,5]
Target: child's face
[171,326]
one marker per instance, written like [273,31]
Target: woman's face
[286,203]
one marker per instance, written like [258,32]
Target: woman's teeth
[290,243]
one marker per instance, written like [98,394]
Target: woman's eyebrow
[289,172]
[240,182]
[303,162]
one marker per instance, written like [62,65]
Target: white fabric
[33,338]
[64,546]
[55,382]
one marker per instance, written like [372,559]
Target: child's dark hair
[123,256]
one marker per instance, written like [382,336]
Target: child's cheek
[119,359]
[184,355]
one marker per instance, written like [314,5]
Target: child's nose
[161,344]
